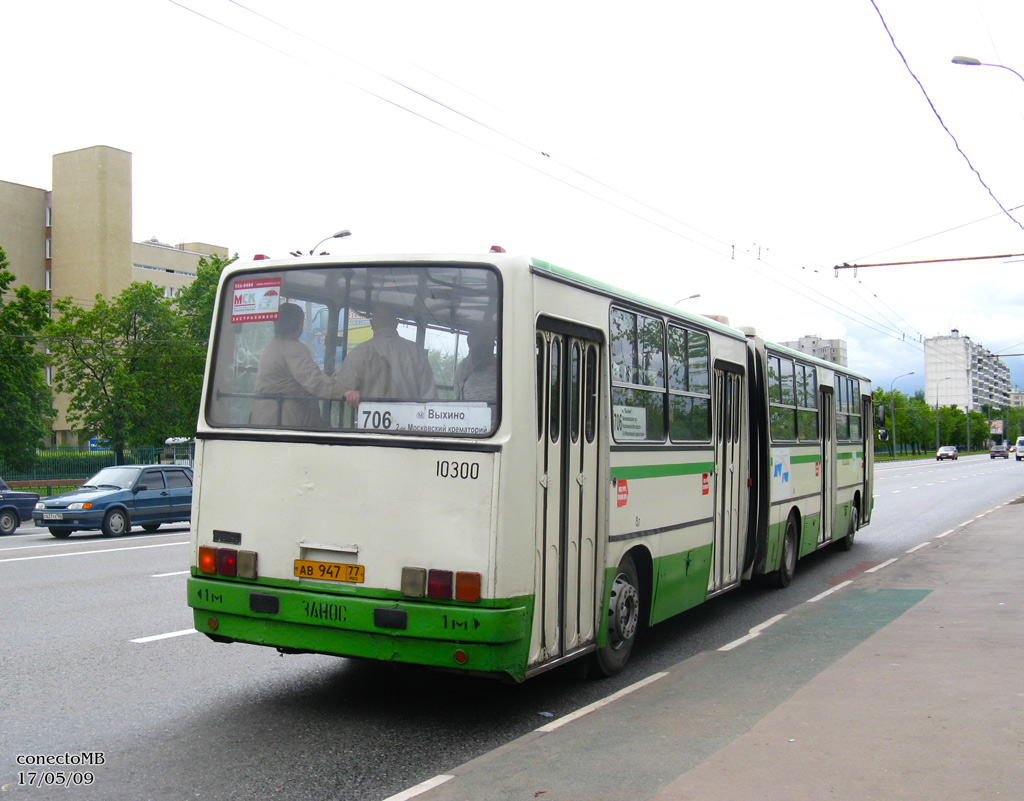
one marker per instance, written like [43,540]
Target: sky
[736,150]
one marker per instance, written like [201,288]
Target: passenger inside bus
[387,366]
[288,374]
[476,377]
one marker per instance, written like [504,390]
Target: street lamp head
[966,61]
[689,297]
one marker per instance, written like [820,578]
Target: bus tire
[623,620]
[116,523]
[846,543]
[790,548]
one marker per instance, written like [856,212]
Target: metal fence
[72,466]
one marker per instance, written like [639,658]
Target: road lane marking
[825,594]
[90,553]
[175,573]
[80,541]
[422,787]
[579,713]
[883,564]
[919,547]
[167,636]
[755,631]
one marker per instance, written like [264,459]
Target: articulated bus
[624,461]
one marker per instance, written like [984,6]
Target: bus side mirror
[883,435]
[880,416]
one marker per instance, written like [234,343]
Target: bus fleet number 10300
[452,469]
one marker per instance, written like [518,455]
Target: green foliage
[133,366]
[121,364]
[195,309]
[25,399]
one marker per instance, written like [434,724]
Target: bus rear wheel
[846,543]
[787,567]
[623,620]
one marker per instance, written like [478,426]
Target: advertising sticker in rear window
[255,299]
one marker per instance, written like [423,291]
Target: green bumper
[488,639]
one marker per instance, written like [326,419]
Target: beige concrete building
[831,350]
[76,239]
[960,372]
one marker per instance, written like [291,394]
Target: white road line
[65,542]
[827,593]
[422,787]
[167,636]
[175,573]
[751,634]
[919,547]
[89,553]
[440,779]
[579,713]
[886,563]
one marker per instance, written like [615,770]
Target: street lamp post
[338,235]
[938,407]
[967,61]
[892,401]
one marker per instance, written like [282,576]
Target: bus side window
[540,385]
[555,389]
[590,388]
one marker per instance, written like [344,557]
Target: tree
[195,307]
[25,399]
[122,365]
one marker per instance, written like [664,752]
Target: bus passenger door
[567,491]
[867,432]
[730,482]
[828,465]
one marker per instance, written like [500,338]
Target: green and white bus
[625,461]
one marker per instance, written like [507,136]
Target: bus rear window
[394,349]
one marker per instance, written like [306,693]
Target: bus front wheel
[623,619]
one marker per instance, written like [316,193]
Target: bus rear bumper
[458,637]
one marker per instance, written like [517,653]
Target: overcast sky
[739,150]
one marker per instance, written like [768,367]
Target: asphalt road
[181,717]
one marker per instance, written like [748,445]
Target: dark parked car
[15,508]
[998,450]
[116,498]
[947,452]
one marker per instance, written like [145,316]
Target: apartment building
[960,372]
[75,240]
[831,350]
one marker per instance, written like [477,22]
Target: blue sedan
[15,508]
[116,498]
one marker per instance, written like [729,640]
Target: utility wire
[935,111]
[729,250]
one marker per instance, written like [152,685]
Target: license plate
[329,571]
[53,516]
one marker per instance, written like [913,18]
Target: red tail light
[227,562]
[439,585]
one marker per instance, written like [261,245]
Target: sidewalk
[906,684]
